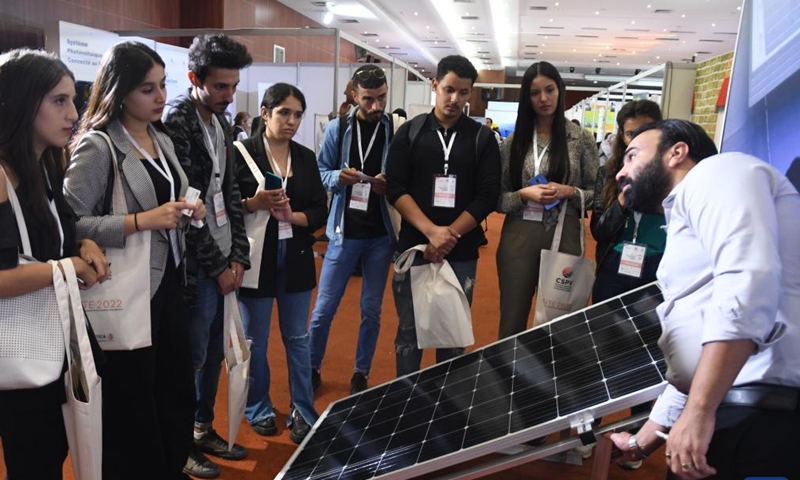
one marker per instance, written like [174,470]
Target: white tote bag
[119,308]
[565,281]
[31,343]
[255,224]
[83,412]
[237,361]
[441,311]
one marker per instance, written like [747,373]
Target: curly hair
[457,64]
[631,110]
[216,51]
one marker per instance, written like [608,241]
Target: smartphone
[542,180]
[538,180]
[272,181]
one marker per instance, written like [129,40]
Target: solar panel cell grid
[410,425]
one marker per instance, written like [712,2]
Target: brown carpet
[267,455]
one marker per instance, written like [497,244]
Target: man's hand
[238,272]
[433,255]
[226,281]
[379,184]
[93,256]
[348,176]
[443,239]
[688,444]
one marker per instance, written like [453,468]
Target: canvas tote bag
[255,224]
[565,281]
[119,308]
[83,412]
[237,361]
[441,311]
[31,342]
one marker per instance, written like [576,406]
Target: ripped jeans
[408,356]
[293,311]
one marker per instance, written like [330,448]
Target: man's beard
[650,188]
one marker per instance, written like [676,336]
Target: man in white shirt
[731,312]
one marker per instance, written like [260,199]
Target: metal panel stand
[602,453]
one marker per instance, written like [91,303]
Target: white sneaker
[632,465]
[585,451]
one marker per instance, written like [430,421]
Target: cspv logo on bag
[564,282]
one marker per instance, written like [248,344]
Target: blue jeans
[293,320]
[408,356]
[205,334]
[338,266]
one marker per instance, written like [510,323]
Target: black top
[358,223]
[44,247]
[161,184]
[410,169]
[306,194]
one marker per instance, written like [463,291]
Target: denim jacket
[330,164]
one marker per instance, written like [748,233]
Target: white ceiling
[618,36]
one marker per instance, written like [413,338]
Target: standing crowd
[191,210]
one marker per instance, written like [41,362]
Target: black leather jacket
[607,225]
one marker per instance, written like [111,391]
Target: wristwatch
[633,446]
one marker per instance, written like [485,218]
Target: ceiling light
[415,14]
[617,63]
[634,52]
[633,22]
[738,8]
[683,16]
[649,6]
[556,4]
[600,55]
[713,24]
[597,13]
[658,57]
[551,20]
[328,18]
[574,49]
[595,81]
[427,27]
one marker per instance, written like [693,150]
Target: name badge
[632,260]
[219,210]
[284,230]
[444,191]
[359,197]
[533,212]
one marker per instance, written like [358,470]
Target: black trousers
[148,395]
[749,442]
[34,441]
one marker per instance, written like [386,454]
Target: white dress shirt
[730,271]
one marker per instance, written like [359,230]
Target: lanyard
[446,148]
[274,163]
[213,150]
[536,154]
[361,153]
[637,217]
[164,169]
[54,211]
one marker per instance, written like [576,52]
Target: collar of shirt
[459,126]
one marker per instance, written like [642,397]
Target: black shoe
[212,444]
[198,465]
[358,383]
[300,427]
[316,379]
[265,427]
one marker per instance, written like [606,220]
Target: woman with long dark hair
[613,224]
[148,392]
[545,161]
[36,117]
[287,272]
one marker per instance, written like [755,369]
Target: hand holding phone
[272,181]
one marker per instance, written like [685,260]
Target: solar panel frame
[415,407]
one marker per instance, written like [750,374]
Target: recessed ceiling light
[649,6]
[738,8]
[713,24]
[600,55]
[617,63]
[436,42]
[416,13]
[597,13]
[428,27]
[594,59]
[365,33]
[683,15]
[544,45]
[633,22]
[574,49]
[658,57]
[634,52]
[664,30]
[556,4]
[595,81]
[648,61]
[541,53]
[551,20]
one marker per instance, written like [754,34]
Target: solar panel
[601,359]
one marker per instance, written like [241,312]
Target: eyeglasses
[364,75]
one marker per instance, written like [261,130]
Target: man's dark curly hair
[216,51]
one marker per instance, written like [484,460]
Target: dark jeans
[148,395]
[34,442]
[408,356]
[609,283]
[749,442]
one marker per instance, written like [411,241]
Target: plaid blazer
[86,187]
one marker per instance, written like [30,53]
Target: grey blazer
[85,186]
